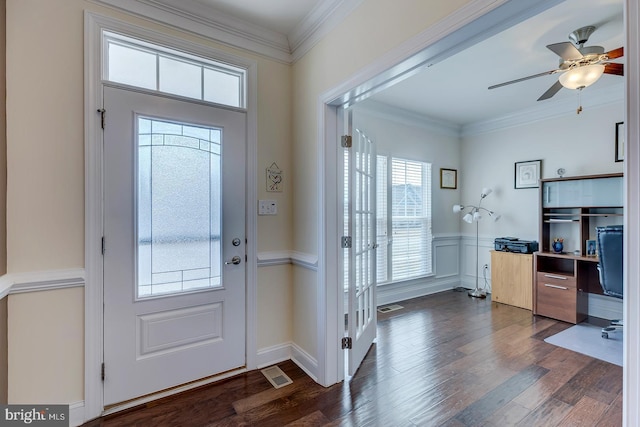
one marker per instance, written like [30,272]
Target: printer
[513,244]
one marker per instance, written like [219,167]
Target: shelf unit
[571,208]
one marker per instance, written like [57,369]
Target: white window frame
[94,27]
[426,180]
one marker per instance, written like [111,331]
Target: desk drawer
[557,300]
[555,279]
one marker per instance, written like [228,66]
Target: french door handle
[235,261]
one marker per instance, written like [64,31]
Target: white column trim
[631,307]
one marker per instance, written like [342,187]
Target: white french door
[361,219]
[174,248]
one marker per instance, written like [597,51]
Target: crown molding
[407,117]
[323,18]
[206,21]
[596,97]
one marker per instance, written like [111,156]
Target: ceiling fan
[580,66]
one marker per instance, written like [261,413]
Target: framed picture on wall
[448,178]
[527,174]
[619,141]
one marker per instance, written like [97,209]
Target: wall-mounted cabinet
[571,209]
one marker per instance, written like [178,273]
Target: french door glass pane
[178,207]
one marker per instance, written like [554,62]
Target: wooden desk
[512,278]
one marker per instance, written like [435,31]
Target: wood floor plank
[585,413]
[442,360]
[550,413]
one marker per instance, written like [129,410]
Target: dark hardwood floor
[443,360]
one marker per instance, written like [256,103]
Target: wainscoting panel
[468,277]
[446,257]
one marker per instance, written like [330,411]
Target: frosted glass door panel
[178,207]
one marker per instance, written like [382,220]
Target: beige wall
[45,213]
[4,381]
[369,32]
[46,347]
[3,203]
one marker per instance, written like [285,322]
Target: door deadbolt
[236,242]
[235,261]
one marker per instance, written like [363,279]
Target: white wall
[398,136]
[581,144]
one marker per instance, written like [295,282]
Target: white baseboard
[275,354]
[288,351]
[307,363]
[388,294]
[76,414]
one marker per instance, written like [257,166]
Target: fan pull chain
[579,109]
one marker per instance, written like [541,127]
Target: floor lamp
[474,215]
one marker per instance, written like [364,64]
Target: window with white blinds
[410,200]
[403,219]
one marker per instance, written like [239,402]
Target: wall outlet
[267,207]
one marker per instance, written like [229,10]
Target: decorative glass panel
[178,209]
[180,78]
[121,58]
[222,88]
[139,63]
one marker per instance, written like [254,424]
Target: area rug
[586,339]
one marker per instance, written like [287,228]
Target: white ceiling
[281,16]
[454,90]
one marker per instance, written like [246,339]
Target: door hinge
[346,343]
[102,372]
[345,141]
[102,112]
[345,242]
[102,245]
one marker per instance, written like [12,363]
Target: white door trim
[405,60]
[93,26]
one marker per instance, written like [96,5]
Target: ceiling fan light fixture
[581,77]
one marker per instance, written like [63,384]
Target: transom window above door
[140,64]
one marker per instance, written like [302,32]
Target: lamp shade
[457,208]
[477,216]
[468,218]
[581,77]
[485,192]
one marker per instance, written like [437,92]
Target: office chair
[610,268]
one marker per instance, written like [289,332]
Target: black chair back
[610,252]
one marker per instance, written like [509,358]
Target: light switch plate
[267,207]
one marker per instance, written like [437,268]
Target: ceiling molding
[544,111]
[206,21]
[324,17]
[407,117]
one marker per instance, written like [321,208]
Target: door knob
[235,261]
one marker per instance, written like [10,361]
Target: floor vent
[388,308]
[276,377]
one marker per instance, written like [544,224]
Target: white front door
[174,242]
[361,277]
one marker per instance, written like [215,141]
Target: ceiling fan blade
[524,78]
[612,68]
[551,91]
[565,50]
[615,53]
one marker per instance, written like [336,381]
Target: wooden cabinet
[512,278]
[570,209]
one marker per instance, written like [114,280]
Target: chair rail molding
[36,281]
